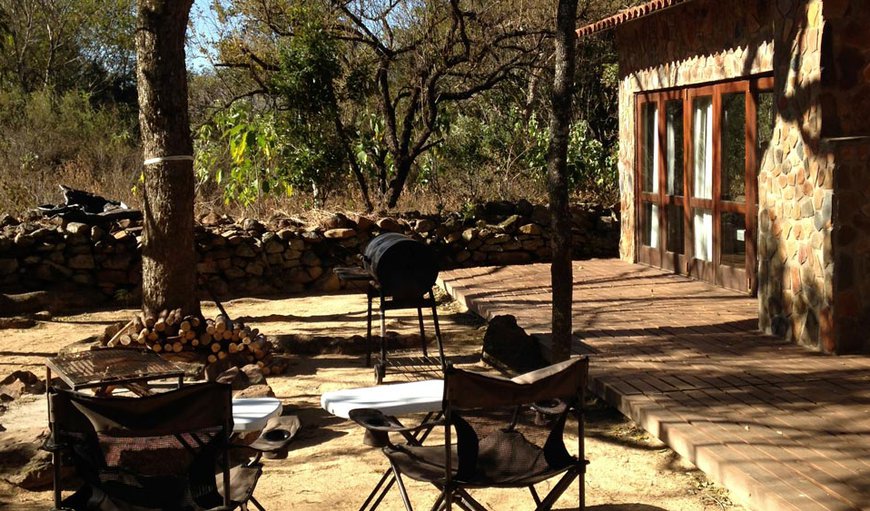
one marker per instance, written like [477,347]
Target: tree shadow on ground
[618,507]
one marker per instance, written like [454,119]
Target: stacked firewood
[217,339]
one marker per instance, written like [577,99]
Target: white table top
[395,400]
[251,414]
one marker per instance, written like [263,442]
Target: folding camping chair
[168,451]
[490,416]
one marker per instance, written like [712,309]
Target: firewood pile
[215,339]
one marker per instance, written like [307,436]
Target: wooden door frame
[745,278]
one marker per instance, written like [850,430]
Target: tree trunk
[397,184]
[561,272]
[168,254]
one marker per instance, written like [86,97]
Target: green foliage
[240,152]
[492,153]
[249,155]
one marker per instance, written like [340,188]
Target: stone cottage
[744,154]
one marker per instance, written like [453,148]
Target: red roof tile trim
[627,15]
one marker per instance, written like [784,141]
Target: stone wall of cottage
[796,263]
[710,41]
[249,257]
[845,99]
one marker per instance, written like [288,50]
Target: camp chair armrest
[375,420]
[551,407]
[277,434]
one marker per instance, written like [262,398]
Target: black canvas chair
[168,451]
[497,441]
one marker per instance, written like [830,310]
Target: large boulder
[505,343]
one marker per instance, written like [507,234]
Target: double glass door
[698,156]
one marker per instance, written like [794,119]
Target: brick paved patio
[782,427]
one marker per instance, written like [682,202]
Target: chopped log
[120,332]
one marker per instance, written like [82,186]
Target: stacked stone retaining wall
[249,257]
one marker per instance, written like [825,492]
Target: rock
[82,262]
[424,225]
[33,466]
[525,207]
[8,266]
[541,215]
[250,224]
[78,228]
[507,343]
[17,322]
[469,234]
[510,224]
[23,240]
[97,233]
[273,247]
[389,225]
[18,383]
[340,233]
[363,223]
[211,218]
[337,221]
[255,268]
[531,229]
[262,390]
[8,220]
[254,374]
[244,250]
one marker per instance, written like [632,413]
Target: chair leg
[558,490]
[402,490]
[256,504]
[379,491]
[535,495]
[467,502]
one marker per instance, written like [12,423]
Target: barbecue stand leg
[437,330]
[381,368]
[422,331]
[369,331]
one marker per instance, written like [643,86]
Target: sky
[204,22]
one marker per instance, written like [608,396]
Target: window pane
[674,156]
[650,148]
[650,235]
[703,234]
[733,239]
[675,239]
[702,146]
[734,147]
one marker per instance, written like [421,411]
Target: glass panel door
[702,145]
[649,155]
[698,155]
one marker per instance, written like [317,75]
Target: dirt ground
[328,466]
